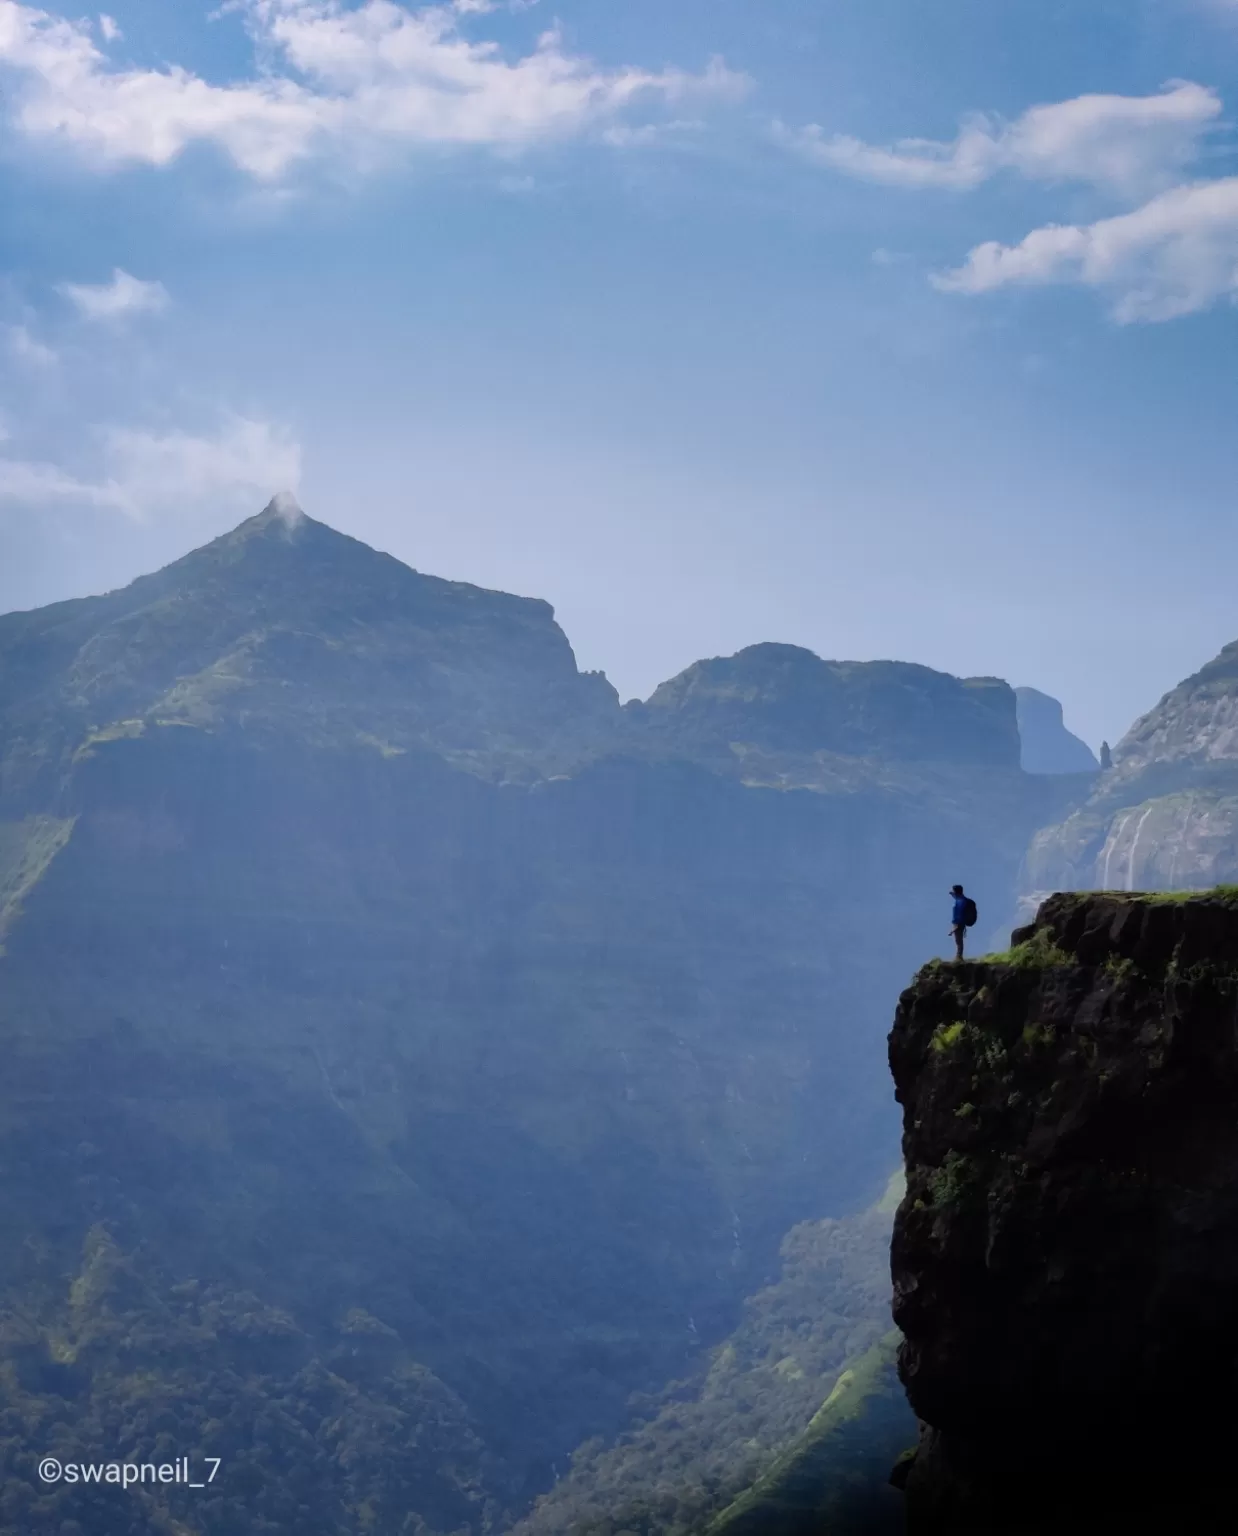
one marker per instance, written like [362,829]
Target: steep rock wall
[1165,816]
[1065,1260]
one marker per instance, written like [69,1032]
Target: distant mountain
[397,1032]
[782,700]
[1047,746]
[1166,815]
[285,625]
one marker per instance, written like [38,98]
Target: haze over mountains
[412,1053]
[1048,747]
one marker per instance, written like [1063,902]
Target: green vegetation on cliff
[811,1335]
[836,1477]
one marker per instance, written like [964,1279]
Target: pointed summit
[283,511]
[285,625]
[286,506]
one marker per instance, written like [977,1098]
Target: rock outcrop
[1065,1260]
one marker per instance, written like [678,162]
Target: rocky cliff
[1165,815]
[1047,746]
[1065,1260]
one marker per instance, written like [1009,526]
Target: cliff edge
[1065,1261]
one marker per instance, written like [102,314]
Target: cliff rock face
[1047,746]
[1165,817]
[1065,1260]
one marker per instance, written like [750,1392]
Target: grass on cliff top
[1033,954]
[1225,893]
[1036,953]
[1040,952]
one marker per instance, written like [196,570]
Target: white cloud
[108,27]
[1175,255]
[909,163]
[124,295]
[151,474]
[335,77]
[28,349]
[628,136]
[1128,145]
[38,483]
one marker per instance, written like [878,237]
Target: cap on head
[956,890]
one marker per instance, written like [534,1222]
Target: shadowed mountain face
[1166,816]
[398,1033]
[1047,746]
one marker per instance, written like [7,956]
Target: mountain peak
[283,514]
[286,507]
[287,625]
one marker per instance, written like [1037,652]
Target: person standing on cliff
[962,918]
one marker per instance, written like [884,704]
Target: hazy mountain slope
[286,625]
[1166,815]
[361,956]
[707,1438]
[1047,746]
[783,700]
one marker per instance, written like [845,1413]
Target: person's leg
[958,940]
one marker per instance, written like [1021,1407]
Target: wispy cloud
[336,78]
[147,474]
[1127,145]
[1175,255]
[28,349]
[124,295]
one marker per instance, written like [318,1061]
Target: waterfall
[1130,863]
[1113,841]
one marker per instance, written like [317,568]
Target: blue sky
[885,329]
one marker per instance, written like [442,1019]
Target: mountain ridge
[363,956]
[229,632]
